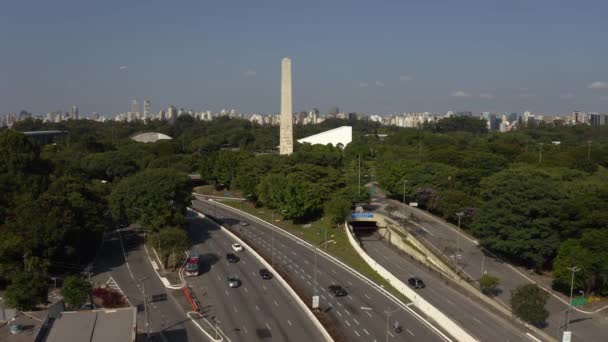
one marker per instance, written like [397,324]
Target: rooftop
[117,325]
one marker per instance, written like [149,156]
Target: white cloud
[566,96]
[598,85]
[405,78]
[379,84]
[363,85]
[486,96]
[250,73]
[460,93]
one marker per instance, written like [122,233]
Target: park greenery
[536,196]
[528,303]
[76,291]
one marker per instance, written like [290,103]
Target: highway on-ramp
[359,316]
[258,310]
[467,311]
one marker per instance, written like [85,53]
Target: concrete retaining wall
[442,320]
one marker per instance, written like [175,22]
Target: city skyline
[375,58]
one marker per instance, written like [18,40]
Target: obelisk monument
[286,133]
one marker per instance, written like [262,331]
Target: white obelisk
[286,133]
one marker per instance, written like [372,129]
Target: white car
[237,247]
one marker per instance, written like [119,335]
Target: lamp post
[574,269]
[143,286]
[388,313]
[458,238]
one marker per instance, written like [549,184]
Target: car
[192,266]
[337,291]
[244,223]
[237,247]
[232,258]
[234,281]
[416,283]
[265,274]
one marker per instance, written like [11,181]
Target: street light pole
[458,238]
[574,269]
[272,239]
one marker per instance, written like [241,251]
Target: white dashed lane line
[369,314]
[411,333]
[288,321]
[365,331]
[345,321]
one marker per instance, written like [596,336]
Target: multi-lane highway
[257,310]
[359,316]
[480,321]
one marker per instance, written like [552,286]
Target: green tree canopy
[528,303]
[154,197]
[519,215]
[75,291]
[26,291]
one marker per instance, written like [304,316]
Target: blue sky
[372,56]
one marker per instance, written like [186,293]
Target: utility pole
[315,275]
[272,234]
[143,286]
[574,269]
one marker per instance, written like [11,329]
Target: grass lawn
[314,232]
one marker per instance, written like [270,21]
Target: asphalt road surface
[258,310]
[481,322]
[359,316]
[167,319]
[443,237]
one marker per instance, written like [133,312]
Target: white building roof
[151,137]
[341,135]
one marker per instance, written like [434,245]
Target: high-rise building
[147,110]
[74,113]
[286,130]
[134,109]
[171,113]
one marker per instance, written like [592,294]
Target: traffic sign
[579,301]
[315,302]
[567,337]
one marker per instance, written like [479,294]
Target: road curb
[278,276]
[163,280]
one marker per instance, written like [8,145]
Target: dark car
[265,274]
[234,281]
[416,283]
[232,258]
[337,290]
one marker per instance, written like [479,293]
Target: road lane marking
[369,314]
[390,334]
[256,307]
[357,333]
[226,292]
[245,328]
[339,314]
[268,326]
[288,321]
[411,333]
[349,283]
[244,288]
[275,303]
[366,331]
[347,312]
[354,319]
[345,321]
[366,296]
[235,310]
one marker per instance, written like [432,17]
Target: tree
[590,254]
[528,303]
[26,291]
[488,284]
[519,215]
[336,209]
[75,291]
[154,197]
[171,242]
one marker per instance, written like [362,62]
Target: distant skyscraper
[74,113]
[134,109]
[147,109]
[286,131]
[171,113]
